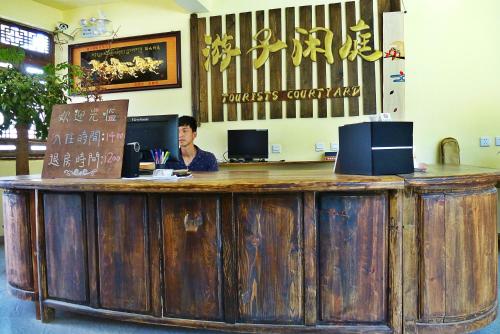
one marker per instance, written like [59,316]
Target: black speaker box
[131,159]
[375,148]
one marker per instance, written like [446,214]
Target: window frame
[33,58]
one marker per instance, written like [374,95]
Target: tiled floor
[18,317]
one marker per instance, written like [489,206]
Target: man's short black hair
[189,121]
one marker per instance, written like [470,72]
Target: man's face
[186,136]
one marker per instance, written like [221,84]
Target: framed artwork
[132,63]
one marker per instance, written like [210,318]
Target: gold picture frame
[135,63]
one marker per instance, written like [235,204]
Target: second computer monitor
[153,133]
[247,145]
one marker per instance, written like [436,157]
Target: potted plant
[27,99]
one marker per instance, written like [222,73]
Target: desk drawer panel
[192,257]
[124,270]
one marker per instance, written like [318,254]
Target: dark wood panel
[352,66]
[203,75]
[291,110]
[124,277]
[93,266]
[305,22]
[261,71]
[336,69]
[433,260]
[66,247]
[368,67]
[46,313]
[216,74]
[229,259]
[321,60]
[232,114]
[194,42]
[18,259]
[395,257]
[275,66]
[191,253]
[410,262]
[353,258]
[155,223]
[246,68]
[310,260]
[471,258]
[270,260]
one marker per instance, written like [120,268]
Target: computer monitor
[247,144]
[154,132]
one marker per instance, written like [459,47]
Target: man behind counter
[191,156]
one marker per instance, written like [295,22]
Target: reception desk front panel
[327,254]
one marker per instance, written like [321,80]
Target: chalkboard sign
[86,140]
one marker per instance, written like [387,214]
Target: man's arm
[212,165]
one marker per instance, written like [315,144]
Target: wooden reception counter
[261,251]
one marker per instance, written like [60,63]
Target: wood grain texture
[291,110]
[155,232]
[353,257]
[336,69]
[261,71]
[246,68]
[275,64]
[216,74]
[368,67]
[433,261]
[269,255]
[66,247]
[410,262]
[229,259]
[310,260]
[352,66]
[232,114]
[321,60]
[124,262]
[395,305]
[192,257]
[469,220]
[18,252]
[252,181]
[306,73]
[93,265]
[471,266]
[46,313]
[194,43]
[203,75]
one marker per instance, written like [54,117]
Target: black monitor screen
[154,132]
[247,144]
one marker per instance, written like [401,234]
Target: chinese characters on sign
[221,50]
[86,140]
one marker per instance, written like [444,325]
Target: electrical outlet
[334,147]
[484,141]
[320,147]
[276,148]
[497,141]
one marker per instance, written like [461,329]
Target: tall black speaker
[375,148]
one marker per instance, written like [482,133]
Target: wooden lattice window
[39,47]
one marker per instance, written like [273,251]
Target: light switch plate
[334,147]
[276,148]
[497,141]
[320,147]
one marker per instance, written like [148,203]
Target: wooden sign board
[86,140]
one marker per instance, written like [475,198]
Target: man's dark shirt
[203,161]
